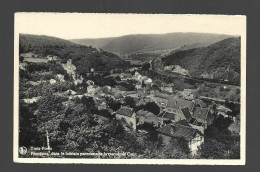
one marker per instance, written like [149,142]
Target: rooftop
[125,111]
[186,113]
[201,114]
[179,103]
[178,130]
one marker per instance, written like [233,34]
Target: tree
[21,58]
[150,107]
[145,67]
[212,149]
[28,135]
[130,101]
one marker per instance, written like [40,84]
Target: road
[220,100]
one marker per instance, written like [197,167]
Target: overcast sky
[79,25]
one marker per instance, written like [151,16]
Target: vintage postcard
[129,88]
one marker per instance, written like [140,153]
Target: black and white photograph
[104,88]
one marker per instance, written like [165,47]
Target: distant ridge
[141,43]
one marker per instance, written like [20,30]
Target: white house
[193,136]
[127,116]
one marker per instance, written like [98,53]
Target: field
[36,60]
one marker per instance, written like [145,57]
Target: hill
[83,57]
[142,43]
[220,60]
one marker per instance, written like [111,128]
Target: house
[186,114]
[148,117]
[203,117]
[22,66]
[224,111]
[32,100]
[127,116]
[177,130]
[180,70]
[164,116]
[106,89]
[200,103]
[70,92]
[168,88]
[52,81]
[235,126]
[168,68]
[148,81]
[60,77]
[101,105]
[190,94]
[90,82]
[137,76]
[125,76]
[174,104]
[178,115]
[138,86]
[91,90]
[51,57]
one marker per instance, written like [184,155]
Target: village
[174,113]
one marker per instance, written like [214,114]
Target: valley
[155,96]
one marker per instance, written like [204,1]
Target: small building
[32,100]
[90,82]
[70,92]
[51,58]
[165,116]
[186,114]
[106,89]
[190,94]
[200,103]
[52,81]
[127,116]
[101,105]
[178,115]
[138,86]
[193,136]
[203,117]
[168,88]
[137,76]
[235,126]
[148,117]
[91,90]
[60,78]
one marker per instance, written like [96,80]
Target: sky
[93,25]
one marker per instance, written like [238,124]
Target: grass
[36,60]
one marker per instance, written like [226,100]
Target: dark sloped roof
[177,130]
[183,122]
[169,115]
[179,103]
[125,111]
[146,114]
[201,114]
[186,113]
